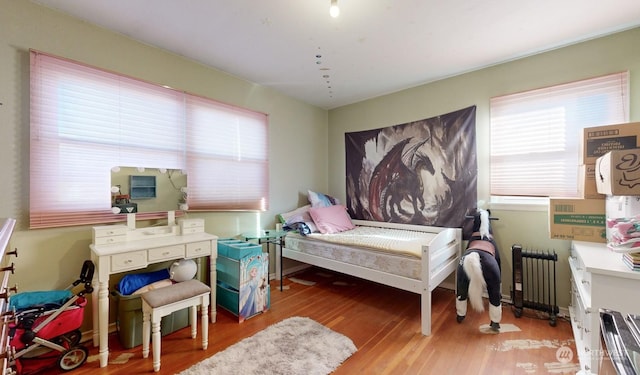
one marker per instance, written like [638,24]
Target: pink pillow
[331,219]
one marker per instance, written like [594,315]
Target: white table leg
[103,320]
[212,282]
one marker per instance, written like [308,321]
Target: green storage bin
[129,320]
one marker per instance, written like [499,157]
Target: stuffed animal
[183,270]
[479,267]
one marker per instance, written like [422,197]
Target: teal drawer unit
[243,284]
[237,249]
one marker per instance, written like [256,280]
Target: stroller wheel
[73,358]
[70,338]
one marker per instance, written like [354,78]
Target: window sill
[519,203]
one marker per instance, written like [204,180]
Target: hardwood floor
[384,325]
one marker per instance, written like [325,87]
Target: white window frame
[535,137]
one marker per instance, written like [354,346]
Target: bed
[428,255]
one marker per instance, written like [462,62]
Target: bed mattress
[391,251]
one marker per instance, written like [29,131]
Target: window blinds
[535,135]
[84,121]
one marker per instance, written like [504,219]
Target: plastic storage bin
[129,320]
[237,249]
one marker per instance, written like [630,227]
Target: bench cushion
[175,292]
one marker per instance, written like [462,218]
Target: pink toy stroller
[49,331]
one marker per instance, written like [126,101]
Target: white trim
[519,203]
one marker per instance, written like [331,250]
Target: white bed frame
[444,250]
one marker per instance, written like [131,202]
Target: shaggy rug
[293,346]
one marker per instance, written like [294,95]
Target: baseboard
[88,335]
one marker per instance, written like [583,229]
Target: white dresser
[117,248]
[6,355]
[599,280]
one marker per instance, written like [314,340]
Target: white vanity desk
[118,248]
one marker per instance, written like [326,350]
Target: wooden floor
[383,323]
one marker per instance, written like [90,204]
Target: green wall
[52,258]
[614,53]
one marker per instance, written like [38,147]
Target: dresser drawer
[581,281]
[198,249]
[191,223]
[166,253]
[192,230]
[109,240]
[128,261]
[108,234]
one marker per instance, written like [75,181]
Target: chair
[164,301]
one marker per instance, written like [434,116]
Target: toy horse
[479,267]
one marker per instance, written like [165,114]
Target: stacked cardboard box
[585,219]
[618,173]
[577,219]
[596,142]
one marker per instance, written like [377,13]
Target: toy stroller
[49,330]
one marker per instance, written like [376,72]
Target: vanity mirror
[137,189]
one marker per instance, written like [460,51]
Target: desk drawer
[109,240]
[109,230]
[198,249]
[166,253]
[128,261]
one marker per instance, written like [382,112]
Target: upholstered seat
[164,301]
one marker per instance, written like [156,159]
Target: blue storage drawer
[228,297]
[228,270]
[237,249]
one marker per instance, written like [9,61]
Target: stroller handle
[86,276]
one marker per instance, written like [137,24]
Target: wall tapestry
[422,172]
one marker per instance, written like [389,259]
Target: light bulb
[334,11]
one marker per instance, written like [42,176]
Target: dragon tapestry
[422,172]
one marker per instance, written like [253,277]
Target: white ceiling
[373,48]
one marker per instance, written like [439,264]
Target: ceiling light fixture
[334,11]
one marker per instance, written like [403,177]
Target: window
[535,135]
[84,121]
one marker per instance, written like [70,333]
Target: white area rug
[293,346]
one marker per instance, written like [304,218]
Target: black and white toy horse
[479,267]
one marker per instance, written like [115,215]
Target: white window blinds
[535,135]
[84,121]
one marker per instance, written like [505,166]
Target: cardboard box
[587,182]
[618,173]
[599,140]
[577,219]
